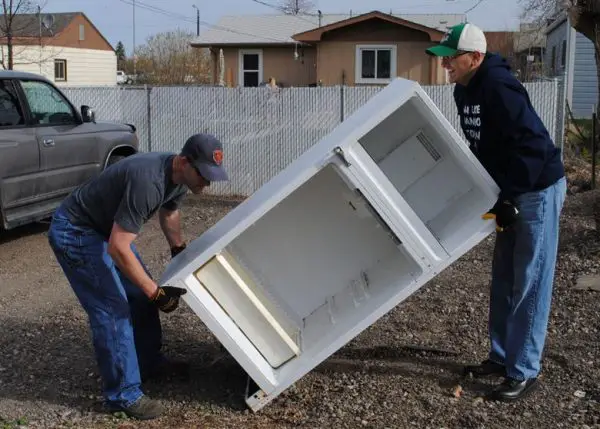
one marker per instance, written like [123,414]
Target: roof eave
[316,34]
[562,17]
[306,39]
[236,44]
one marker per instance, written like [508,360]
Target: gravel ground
[385,378]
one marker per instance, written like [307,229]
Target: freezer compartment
[434,177]
[307,266]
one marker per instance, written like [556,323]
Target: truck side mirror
[88,114]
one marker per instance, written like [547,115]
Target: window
[60,70]
[375,63]
[251,70]
[563,57]
[553,61]
[47,105]
[81,32]
[10,110]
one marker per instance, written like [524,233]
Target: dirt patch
[380,379]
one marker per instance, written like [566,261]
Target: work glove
[176,250]
[166,298]
[504,212]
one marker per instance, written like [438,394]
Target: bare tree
[528,45]
[296,7]
[584,15]
[24,35]
[11,27]
[168,59]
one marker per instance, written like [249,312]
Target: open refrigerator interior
[382,211]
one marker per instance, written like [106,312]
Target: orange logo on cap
[218,156]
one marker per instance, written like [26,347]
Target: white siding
[85,67]
[585,79]
[582,81]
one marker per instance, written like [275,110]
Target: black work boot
[511,389]
[485,368]
[142,409]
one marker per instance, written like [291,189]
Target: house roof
[316,34]
[556,21]
[28,24]
[279,29]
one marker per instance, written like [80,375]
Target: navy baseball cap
[205,152]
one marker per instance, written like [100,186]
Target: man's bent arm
[524,136]
[170,223]
[119,249]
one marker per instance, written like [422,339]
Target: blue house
[569,54]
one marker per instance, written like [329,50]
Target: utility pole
[134,57]
[39,11]
[197,19]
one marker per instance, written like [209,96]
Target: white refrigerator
[350,229]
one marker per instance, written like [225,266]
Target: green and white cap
[463,37]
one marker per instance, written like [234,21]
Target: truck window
[48,107]
[10,110]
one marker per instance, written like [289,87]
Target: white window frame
[358,63]
[64,62]
[241,70]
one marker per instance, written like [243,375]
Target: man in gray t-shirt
[92,235]
[128,194]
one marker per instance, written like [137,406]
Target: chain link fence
[545,97]
[117,104]
[264,130]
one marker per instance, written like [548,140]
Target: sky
[114,18]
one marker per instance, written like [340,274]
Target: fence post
[562,109]
[594,147]
[342,103]
[149,113]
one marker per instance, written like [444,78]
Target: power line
[173,15]
[218,27]
[155,9]
[476,4]
[282,9]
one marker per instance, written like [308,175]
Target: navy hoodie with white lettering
[505,132]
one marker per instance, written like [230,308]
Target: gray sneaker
[143,409]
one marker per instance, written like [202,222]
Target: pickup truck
[48,147]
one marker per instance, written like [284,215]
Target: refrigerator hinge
[340,153]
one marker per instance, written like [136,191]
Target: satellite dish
[48,21]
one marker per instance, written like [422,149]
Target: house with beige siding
[68,49]
[310,50]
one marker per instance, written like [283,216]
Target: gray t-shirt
[129,193]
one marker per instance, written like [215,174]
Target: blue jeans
[125,325]
[522,277]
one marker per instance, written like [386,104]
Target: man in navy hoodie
[513,145]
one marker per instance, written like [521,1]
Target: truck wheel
[114,159]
